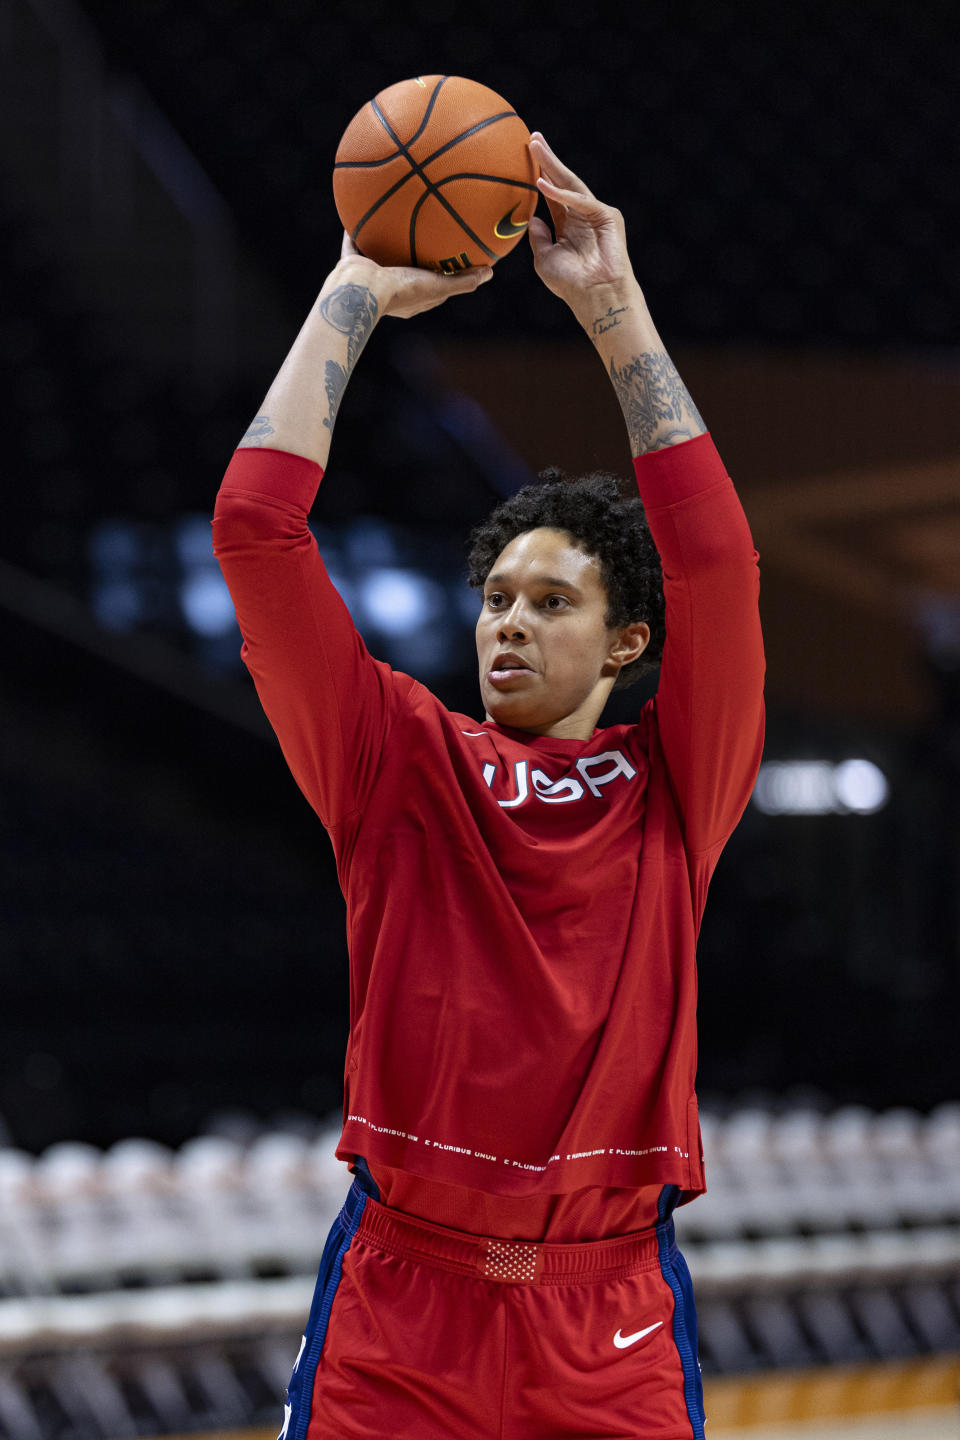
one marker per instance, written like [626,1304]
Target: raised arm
[588,266]
[709,704]
[329,702]
[300,408]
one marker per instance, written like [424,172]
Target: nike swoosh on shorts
[623,1341]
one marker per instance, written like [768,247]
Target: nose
[511,625]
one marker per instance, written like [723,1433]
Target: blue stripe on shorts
[300,1391]
[674,1270]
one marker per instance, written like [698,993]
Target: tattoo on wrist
[606,322]
[335,381]
[351,309]
[257,433]
[655,402]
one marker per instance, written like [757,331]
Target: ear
[626,645]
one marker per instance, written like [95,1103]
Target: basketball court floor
[938,1424]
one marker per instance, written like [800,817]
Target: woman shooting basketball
[523,893]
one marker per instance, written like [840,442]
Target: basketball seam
[402,154]
[465,134]
[466,175]
[494,180]
[382,200]
[366,164]
[363,164]
[416,168]
[414,213]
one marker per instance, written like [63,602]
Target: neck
[578,725]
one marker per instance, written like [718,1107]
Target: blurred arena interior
[172,931]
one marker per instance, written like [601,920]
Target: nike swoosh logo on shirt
[622,1341]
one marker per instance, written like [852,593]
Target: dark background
[172,932]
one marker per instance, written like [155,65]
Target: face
[547,657]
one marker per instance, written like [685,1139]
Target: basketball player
[523,892]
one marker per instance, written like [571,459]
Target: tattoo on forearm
[606,322]
[257,433]
[335,381]
[352,310]
[655,402]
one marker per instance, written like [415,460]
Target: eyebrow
[547,580]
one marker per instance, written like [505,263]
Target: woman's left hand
[589,252]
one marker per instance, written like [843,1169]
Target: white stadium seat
[152,1277]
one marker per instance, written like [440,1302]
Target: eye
[556,602]
[495,599]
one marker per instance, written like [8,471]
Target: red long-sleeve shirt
[522,911]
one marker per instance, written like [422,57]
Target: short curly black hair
[605,516]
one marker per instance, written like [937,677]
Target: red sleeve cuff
[275,474]
[668,476]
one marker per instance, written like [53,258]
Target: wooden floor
[935,1424]
[877,1396]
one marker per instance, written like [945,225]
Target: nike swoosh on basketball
[505,228]
[622,1341]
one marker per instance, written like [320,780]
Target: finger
[470,283]
[558,211]
[558,215]
[348,247]
[428,290]
[587,206]
[538,233]
[471,280]
[464,281]
[555,169]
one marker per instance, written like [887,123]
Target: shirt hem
[622,1167]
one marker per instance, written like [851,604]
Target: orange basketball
[435,172]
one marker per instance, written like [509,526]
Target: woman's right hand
[404,290]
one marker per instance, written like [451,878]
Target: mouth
[507,668]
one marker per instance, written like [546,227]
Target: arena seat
[176,1281]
